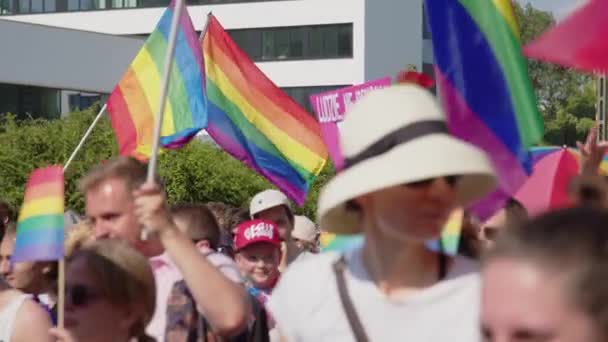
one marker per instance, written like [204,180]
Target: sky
[559,8]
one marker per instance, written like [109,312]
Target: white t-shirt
[307,307]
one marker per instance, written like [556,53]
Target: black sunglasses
[451,180]
[81,295]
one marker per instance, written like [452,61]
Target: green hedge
[199,172]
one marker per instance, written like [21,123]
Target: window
[298,42]
[9,7]
[302,94]
[81,101]
[426,29]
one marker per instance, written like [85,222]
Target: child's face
[259,263]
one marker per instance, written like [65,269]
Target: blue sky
[560,8]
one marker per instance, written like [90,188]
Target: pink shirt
[167,274]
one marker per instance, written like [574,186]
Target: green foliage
[199,172]
[566,98]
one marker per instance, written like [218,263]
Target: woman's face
[524,302]
[411,212]
[89,316]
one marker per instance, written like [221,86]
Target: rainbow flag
[541,152]
[255,121]
[133,103]
[40,223]
[484,84]
[450,238]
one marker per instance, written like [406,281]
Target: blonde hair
[127,169]
[124,277]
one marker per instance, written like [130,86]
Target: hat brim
[431,156]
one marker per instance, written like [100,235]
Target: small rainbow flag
[40,224]
[484,84]
[450,238]
[255,121]
[133,103]
[450,235]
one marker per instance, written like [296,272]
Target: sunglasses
[81,295]
[450,180]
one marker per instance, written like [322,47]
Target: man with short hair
[119,204]
[274,206]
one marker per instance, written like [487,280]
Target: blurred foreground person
[21,319]
[403,176]
[546,280]
[110,294]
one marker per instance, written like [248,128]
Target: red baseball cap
[256,231]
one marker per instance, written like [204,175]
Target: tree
[566,98]
[199,172]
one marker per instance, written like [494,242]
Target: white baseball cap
[304,229]
[267,199]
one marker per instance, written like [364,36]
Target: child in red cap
[257,246]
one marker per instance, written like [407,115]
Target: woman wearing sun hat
[404,174]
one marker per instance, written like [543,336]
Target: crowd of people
[211,272]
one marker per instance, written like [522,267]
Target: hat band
[398,137]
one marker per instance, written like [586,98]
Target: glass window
[50,6]
[298,42]
[87,5]
[24,6]
[330,42]
[73,5]
[345,42]
[281,44]
[268,45]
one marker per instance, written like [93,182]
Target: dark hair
[7,214]
[200,221]
[573,241]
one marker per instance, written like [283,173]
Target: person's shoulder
[33,323]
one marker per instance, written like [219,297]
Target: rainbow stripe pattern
[40,225]
[450,238]
[255,121]
[449,241]
[133,103]
[538,153]
[484,84]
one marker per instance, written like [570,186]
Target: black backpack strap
[351,314]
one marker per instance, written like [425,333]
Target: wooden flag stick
[177,12]
[61,294]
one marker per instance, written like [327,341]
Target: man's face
[110,209]
[279,216]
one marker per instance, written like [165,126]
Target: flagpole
[84,138]
[179,4]
[61,293]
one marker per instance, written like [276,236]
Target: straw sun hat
[394,136]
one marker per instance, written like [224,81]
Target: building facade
[304,46]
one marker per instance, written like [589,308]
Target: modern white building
[304,46]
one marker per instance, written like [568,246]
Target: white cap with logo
[267,199]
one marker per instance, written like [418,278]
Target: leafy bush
[199,172]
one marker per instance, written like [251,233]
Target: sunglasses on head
[81,295]
[450,180]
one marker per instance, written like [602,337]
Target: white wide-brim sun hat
[394,136]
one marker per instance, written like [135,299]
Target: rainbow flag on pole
[40,225]
[255,121]
[484,84]
[133,103]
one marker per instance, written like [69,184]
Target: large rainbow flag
[255,121]
[133,103]
[40,225]
[484,84]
